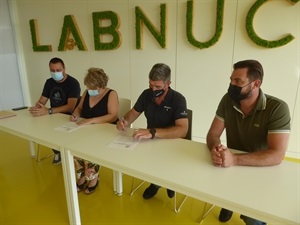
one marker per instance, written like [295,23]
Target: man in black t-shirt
[63,91]
[165,111]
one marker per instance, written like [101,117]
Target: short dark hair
[255,69]
[160,71]
[57,60]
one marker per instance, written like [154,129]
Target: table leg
[118,182]
[32,149]
[70,186]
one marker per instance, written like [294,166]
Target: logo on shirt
[167,108]
[57,97]
[184,113]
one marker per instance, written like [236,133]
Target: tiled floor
[33,193]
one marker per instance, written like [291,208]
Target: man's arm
[213,136]
[128,119]
[277,145]
[40,109]
[68,108]
[179,130]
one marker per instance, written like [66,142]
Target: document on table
[123,142]
[68,127]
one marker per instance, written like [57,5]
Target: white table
[270,194]
[41,130]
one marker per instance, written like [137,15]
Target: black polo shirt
[165,114]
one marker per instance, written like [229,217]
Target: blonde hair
[96,77]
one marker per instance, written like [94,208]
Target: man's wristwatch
[152,132]
[50,111]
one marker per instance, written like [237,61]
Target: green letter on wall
[141,18]
[35,38]
[189,26]
[255,38]
[70,26]
[108,30]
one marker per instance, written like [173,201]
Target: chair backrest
[124,106]
[190,119]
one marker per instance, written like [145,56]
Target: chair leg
[204,214]
[38,159]
[177,210]
[132,184]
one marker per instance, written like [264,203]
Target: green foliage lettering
[35,38]
[110,30]
[189,26]
[70,26]
[255,38]
[141,18]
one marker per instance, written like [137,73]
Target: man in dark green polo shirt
[255,123]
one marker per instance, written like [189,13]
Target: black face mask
[235,94]
[157,93]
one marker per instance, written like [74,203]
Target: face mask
[57,76]
[235,94]
[157,93]
[93,92]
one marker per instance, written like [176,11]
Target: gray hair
[160,71]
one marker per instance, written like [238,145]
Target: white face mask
[57,76]
[93,92]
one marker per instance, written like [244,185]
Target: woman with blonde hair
[98,104]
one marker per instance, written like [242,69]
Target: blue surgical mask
[57,76]
[93,92]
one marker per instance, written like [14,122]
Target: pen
[74,115]
[123,120]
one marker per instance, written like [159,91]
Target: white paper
[68,127]
[123,142]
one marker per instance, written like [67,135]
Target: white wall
[201,75]
[10,85]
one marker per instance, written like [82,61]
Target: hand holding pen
[122,123]
[73,117]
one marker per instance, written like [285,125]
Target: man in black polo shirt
[165,111]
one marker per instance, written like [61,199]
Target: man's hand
[141,134]
[38,110]
[122,124]
[221,156]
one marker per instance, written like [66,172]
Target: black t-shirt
[58,93]
[165,114]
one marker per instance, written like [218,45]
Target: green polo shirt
[249,133]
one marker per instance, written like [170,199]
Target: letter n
[141,19]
